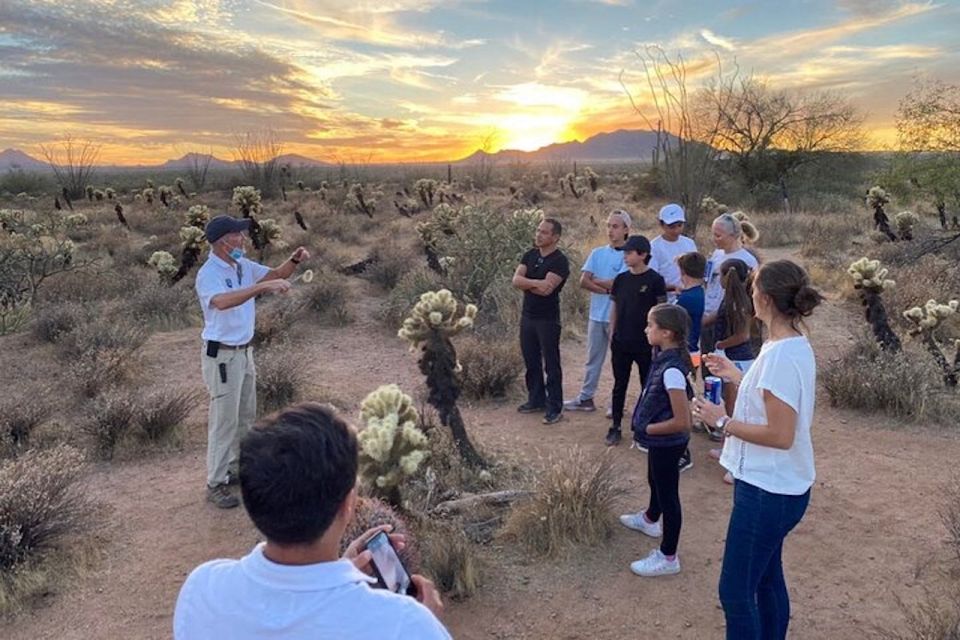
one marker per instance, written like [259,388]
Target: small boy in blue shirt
[693,267]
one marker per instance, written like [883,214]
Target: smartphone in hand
[390,572]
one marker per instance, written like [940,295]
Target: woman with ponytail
[661,424]
[768,450]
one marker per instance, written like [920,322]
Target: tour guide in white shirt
[227,285]
[298,472]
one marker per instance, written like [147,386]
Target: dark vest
[654,404]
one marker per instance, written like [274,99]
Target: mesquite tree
[434,320]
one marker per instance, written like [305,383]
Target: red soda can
[713,389]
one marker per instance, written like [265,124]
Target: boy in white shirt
[668,246]
[298,472]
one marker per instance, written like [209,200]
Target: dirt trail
[872,529]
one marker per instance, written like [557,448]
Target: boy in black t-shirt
[541,275]
[634,293]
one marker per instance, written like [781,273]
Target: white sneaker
[656,564]
[639,522]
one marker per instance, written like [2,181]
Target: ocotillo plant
[434,320]
[877,197]
[870,279]
[926,319]
[391,445]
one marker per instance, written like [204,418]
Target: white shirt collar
[220,262]
[311,577]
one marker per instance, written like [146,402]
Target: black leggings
[663,474]
[622,361]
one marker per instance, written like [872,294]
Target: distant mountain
[617,145]
[16,159]
[296,160]
[188,160]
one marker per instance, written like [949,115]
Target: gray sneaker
[580,405]
[221,497]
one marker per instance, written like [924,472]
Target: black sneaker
[613,436]
[580,405]
[221,497]
[553,418]
[686,461]
[529,407]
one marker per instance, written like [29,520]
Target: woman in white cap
[668,246]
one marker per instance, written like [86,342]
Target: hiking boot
[580,405]
[529,407]
[686,461]
[553,417]
[656,564]
[221,497]
[613,436]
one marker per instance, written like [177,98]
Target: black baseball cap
[222,225]
[640,244]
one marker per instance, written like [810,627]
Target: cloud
[718,41]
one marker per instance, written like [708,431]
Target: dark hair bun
[806,300]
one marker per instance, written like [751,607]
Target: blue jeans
[752,588]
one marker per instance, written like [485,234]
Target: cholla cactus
[425,188]
[442,222]
[272,233]
[392,447]
[599,196]
[436,312]
[247,199]
[197,216]
[905,221]
[435,319]
[870,275]
[98,195]
[164,263]
[711,207]
[165,194]
[877,197]
[573,183]
[926,320]
[870,279]
[89,191]
[192,237]
[75,220]
[179,184]
[592,179]
[562,183]
[147,194]
[110,193]
[359,201]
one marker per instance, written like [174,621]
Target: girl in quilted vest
[661,424]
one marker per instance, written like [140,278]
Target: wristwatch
[722,422]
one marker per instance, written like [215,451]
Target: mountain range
[621,145]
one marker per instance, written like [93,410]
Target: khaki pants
[233,408]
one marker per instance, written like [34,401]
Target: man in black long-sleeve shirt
[541,275]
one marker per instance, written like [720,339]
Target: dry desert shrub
[41,509]
[51,323]
[102,353]
[571,505]
[935,617]
[778,229]
[19,417]
[903,385]
[405,294]
[160,413]
[280,380]
[830,234]
[109,420]
[164,307]
[326,297]
[449,559]
[490,367]
[275,319]
[392,260]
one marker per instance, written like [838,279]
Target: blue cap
[222,225]
[640,244]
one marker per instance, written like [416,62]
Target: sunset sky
[417,80]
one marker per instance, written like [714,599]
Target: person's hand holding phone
[361,557]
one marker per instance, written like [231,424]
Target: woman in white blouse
[769,452]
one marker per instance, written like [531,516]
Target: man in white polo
[227,285]
[668,246]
